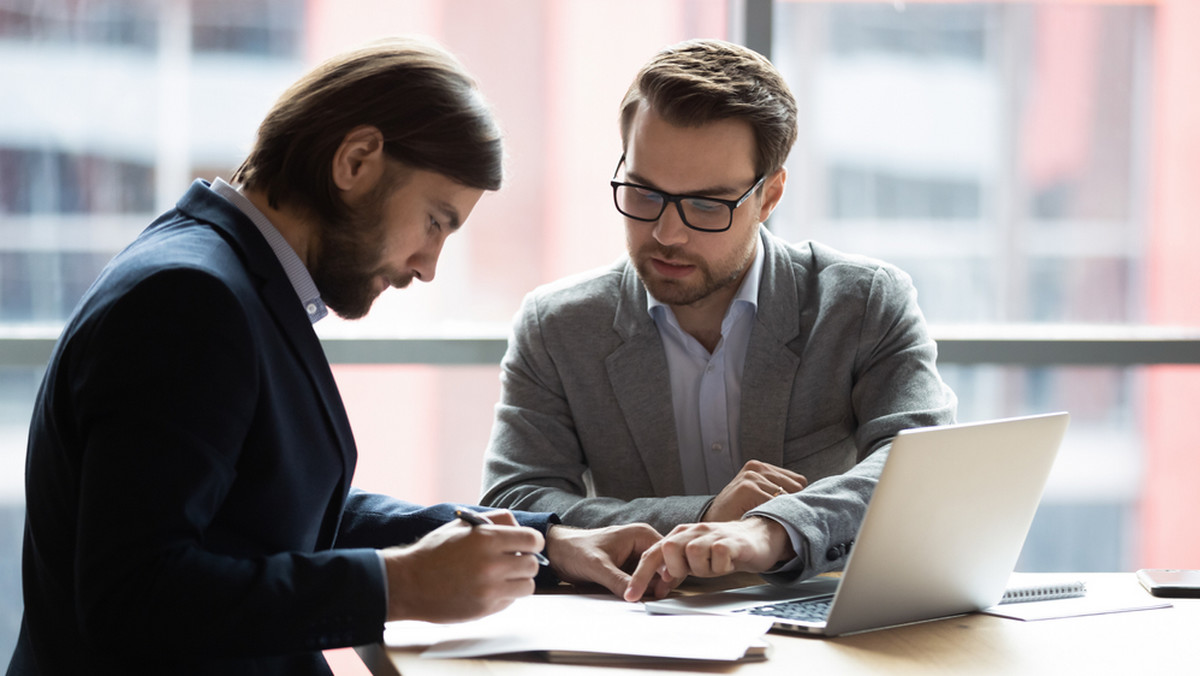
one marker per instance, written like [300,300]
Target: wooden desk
[1162,641]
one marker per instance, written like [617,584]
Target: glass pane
[421,430]
[17,388]
[1024,162]
[991,143]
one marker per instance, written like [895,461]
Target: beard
[349,261]
[704,282]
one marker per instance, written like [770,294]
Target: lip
[672,270]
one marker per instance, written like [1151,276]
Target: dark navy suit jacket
[188,476]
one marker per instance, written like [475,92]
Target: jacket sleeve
[379,521]
[896,386]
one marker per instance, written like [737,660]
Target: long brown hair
[427,107]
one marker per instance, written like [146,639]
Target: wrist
[779,543]
[395,579]
[558,539]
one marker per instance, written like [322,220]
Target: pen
[476,519]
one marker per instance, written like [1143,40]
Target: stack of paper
[568,627]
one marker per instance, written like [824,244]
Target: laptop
[940,537]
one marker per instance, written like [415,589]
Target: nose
[424,262]
[669,229]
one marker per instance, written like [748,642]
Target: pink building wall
[1170,518]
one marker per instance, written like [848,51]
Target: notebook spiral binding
[1044,592]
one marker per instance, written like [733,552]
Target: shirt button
[716,447]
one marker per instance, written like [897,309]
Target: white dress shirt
[706,389]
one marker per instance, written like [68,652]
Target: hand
[602,555]
[708,550]
[756,483]
[459,572]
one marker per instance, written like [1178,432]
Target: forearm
[663,513]
[826,515]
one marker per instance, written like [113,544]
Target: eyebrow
[448,213]
[702,192]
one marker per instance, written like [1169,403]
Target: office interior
[1031,164]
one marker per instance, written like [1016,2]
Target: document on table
[573,627]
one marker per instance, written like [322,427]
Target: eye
[705,206]
[647,195]
[434,225]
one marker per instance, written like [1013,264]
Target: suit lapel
[770,369]
[279,296]
[637,371]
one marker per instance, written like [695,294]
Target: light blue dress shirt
[706,389]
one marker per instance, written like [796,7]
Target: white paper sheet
[1059,608]
[583,624]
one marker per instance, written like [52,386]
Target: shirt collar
[297,273]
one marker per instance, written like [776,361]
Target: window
[1005,155]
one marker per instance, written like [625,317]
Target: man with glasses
[718,373]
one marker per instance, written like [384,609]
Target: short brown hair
[422,100]
[701,81]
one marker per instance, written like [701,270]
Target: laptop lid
[942,532]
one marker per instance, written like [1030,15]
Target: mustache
[670,253]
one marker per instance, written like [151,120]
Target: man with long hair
[189,508]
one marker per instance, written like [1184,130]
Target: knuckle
[694,548]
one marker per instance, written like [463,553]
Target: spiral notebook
[940,537]
[1023,591]
[1049,596]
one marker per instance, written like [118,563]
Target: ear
[359,161]
[772,193]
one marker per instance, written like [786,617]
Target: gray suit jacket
[839,360]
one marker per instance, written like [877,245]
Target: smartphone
[1170,581]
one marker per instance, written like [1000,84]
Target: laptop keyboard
[807,610]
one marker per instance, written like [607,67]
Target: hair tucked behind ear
[427,107]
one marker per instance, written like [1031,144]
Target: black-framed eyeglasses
[698,212]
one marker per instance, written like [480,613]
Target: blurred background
[1033,166]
